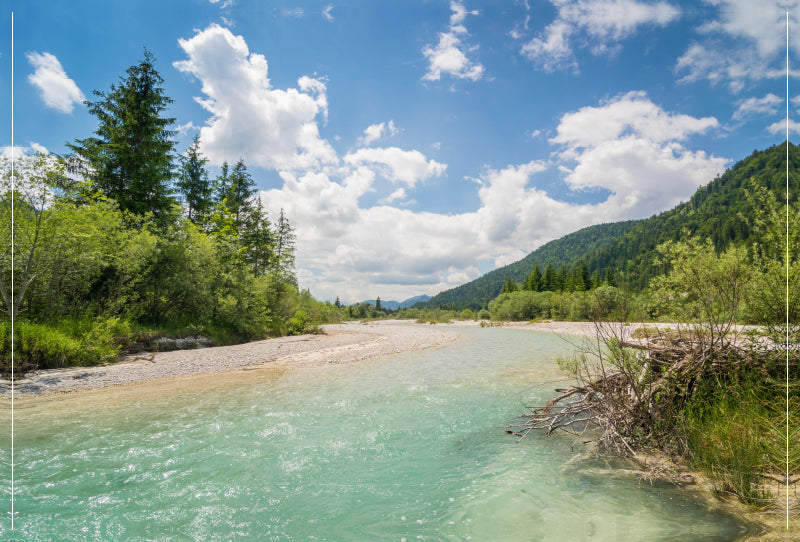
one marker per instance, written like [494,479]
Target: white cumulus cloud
[626,146]
[408,167]
[449,56]
[633,148]
[269,127]
[58,91]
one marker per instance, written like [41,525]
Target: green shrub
[298,323]
[63,343]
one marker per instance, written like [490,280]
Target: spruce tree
[194,184]
[237,189]
[534,280]
[283,260]
[130,158]
[550,279]
[258,238]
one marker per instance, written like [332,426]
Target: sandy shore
[341,343]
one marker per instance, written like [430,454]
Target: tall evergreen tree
[584,281]
[283,260]
[549,279]
[194,184]
[238,191]
[258,238]
[130,159]
[534,280]
[222,183]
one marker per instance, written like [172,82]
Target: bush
[65,343]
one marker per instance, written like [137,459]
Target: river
[403,447]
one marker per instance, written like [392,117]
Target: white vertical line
[12,270]
[787,270]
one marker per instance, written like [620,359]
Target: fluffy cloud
[747,41]
[604,22]
[270,127]
[449,56]
[58,91]
[19,151]
[627,114]
[374,132]
[408,167]
[633,148]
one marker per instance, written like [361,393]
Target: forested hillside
[626,250]
[564,252]
[717,211]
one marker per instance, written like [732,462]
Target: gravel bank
[342,343]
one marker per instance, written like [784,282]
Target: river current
[403,447]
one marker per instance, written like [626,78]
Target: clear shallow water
[402,447]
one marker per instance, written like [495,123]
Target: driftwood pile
[629,389]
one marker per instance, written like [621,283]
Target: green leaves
[130,159]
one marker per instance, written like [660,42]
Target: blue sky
[418,144]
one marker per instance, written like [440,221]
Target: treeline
[122,242]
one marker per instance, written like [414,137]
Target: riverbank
[340,343]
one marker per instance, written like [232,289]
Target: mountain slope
[716,211]
[566,251]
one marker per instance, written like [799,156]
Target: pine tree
[584,280]
[378,303]
[194,184]
[222,183]
[130,159]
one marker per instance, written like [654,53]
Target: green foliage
[113,262]
[738,432]
[563,252]
[701,286]
[776,258]
[63,343]
[130,159]
[603,302]
[194,185]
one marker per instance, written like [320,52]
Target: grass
[85,341]
[736,434]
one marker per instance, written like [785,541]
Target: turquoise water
[406,447]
